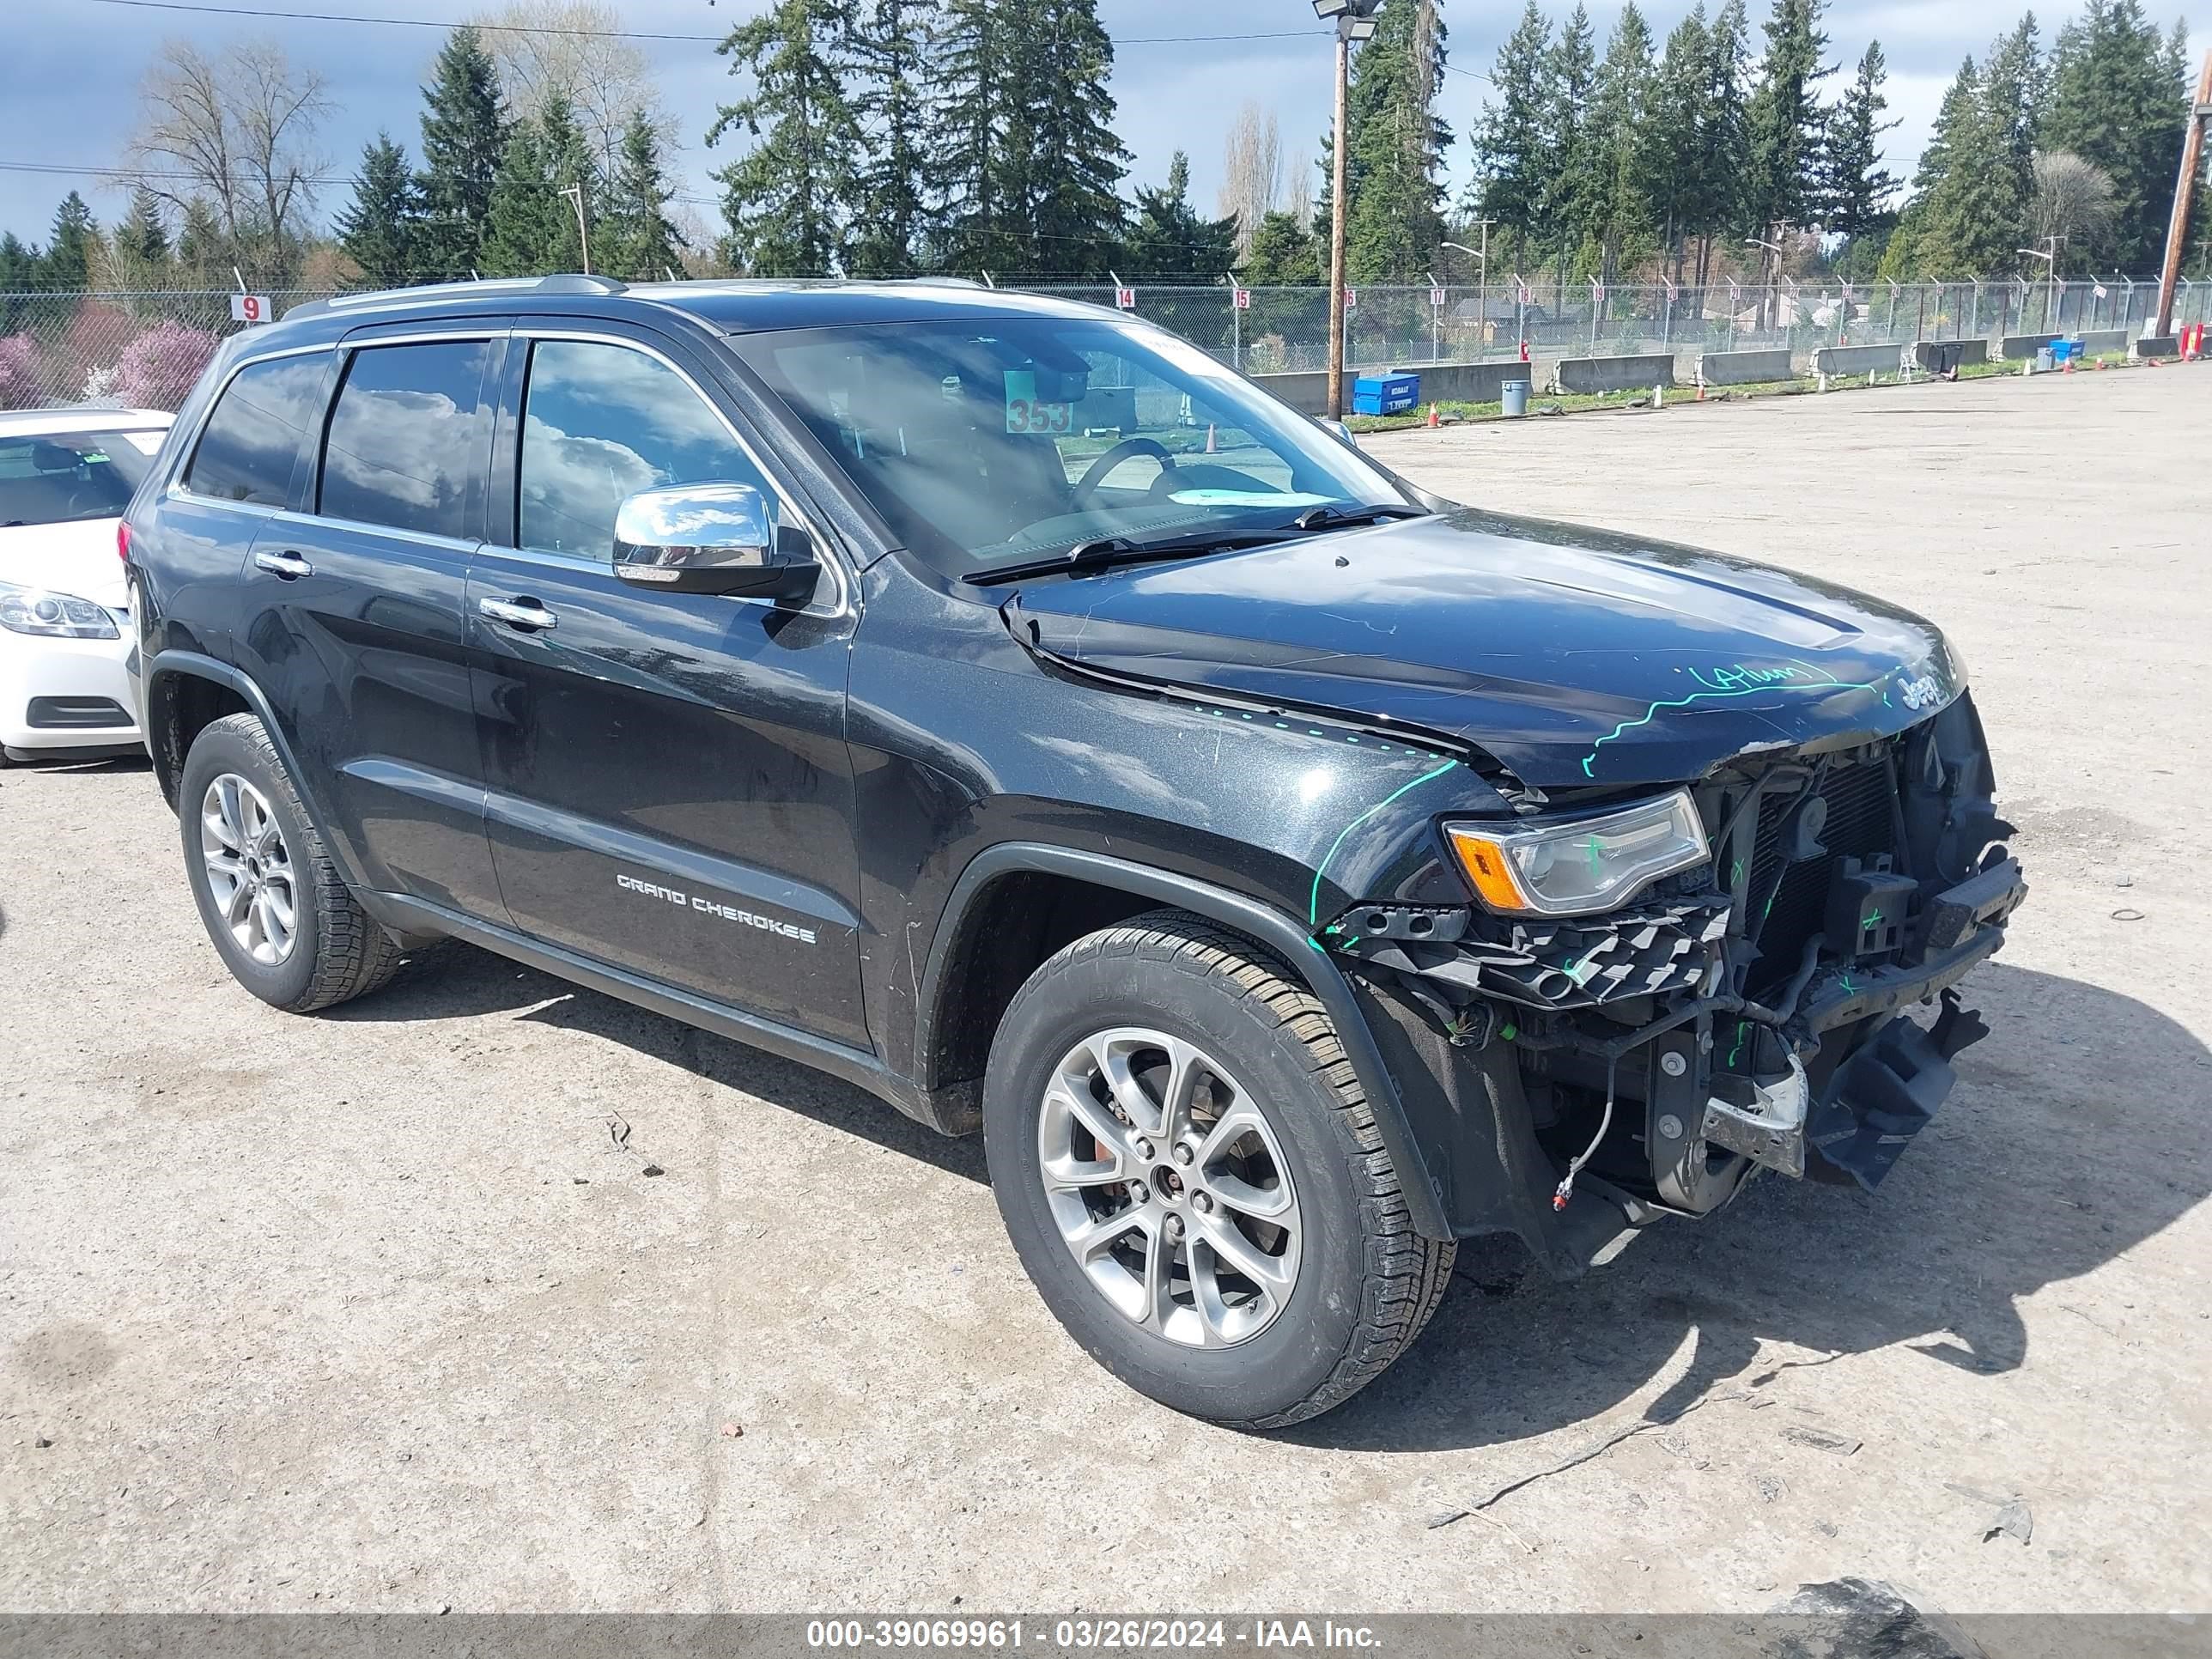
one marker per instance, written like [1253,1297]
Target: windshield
[995,443]
[58,477]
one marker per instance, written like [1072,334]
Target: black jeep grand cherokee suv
[1001,705]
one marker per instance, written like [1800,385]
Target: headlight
[1572,866]
[52,616]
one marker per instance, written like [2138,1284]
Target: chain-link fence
[146,348]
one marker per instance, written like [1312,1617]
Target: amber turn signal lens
[1487,867]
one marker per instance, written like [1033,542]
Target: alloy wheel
[1169,1188]
[249,869]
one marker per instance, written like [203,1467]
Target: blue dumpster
[1385,394]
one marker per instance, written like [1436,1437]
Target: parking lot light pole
[1481,256]
[1354,20]
[2051,272]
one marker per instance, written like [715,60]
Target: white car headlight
[53,615]
[1573,867]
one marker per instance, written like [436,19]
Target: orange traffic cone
[1433,420]
[1212,447]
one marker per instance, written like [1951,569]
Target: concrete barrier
[2097,341]
[1467,383]
[2158,346]
[1858,360]
[2013,348]
[1940,356]
[1744,367]
[1587,375]
[1307,390]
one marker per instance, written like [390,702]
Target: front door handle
[518,613]
[290,566]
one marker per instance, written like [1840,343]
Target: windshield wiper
[1103,552]
[1329,516]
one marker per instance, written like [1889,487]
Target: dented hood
[1573,656]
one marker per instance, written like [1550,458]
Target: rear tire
[273,903]
[1338,1282]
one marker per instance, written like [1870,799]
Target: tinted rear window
[246,454]
[409,437]
[57,477]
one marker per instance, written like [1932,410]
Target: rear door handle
[518,613]
[290,566]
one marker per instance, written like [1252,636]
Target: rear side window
[246,454]
[409,437]
[601,422]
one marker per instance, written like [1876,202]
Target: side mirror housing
[1338,430]
[710,539]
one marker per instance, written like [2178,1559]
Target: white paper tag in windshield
[1245,498]
[1027,412]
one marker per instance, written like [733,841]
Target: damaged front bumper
[1749,1015]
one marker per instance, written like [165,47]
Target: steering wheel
[1097,472]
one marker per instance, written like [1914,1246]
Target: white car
[65,634]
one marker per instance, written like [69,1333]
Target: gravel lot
[384,1309]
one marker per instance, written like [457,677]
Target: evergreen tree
[975,189]
[1724,131]
[1511,151]
[785,200]
[199,242]
[1673,159]
[463,144]
[378,231]
[1969,204]
[1168,241]
[1571,181]
[633,238]
[2116,102]
[532,230]
[142,241]
[1075,162]
[892,55]
[1620,107]
[1854,187]
[68,262]
[19,263]
[1284,253]
[1783,120]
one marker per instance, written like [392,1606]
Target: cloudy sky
[71,66]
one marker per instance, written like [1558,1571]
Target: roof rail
[562,283]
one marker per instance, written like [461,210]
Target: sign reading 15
[1036,415]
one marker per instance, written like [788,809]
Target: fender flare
[176,662]
[1255,918]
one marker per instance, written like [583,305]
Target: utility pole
[2184,187]
[575,193]
[1481,256]
[1354,20]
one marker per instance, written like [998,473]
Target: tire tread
[1406,1274]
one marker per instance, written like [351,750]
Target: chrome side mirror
[709,538]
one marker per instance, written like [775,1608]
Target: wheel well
[1013,925]
[183,706]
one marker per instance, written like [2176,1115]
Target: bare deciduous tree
[1297,191]
[234,132]
[570,47]
[2073,198]
[1251,171]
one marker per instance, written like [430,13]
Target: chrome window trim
[176,486]
[460,545]
[833,558]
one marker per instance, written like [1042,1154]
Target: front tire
[273,903]
[1192,1177]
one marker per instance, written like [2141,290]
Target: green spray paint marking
[1850,990]
[1313,905]
[1735,873]
[1736,1053]
[1596,858]
[1736,681]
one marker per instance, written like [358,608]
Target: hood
[78,558]
[1573,656]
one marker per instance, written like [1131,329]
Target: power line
[603,34]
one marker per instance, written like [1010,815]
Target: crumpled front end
[1746,1013]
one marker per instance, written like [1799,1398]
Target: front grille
[67,714]
[1861,823]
